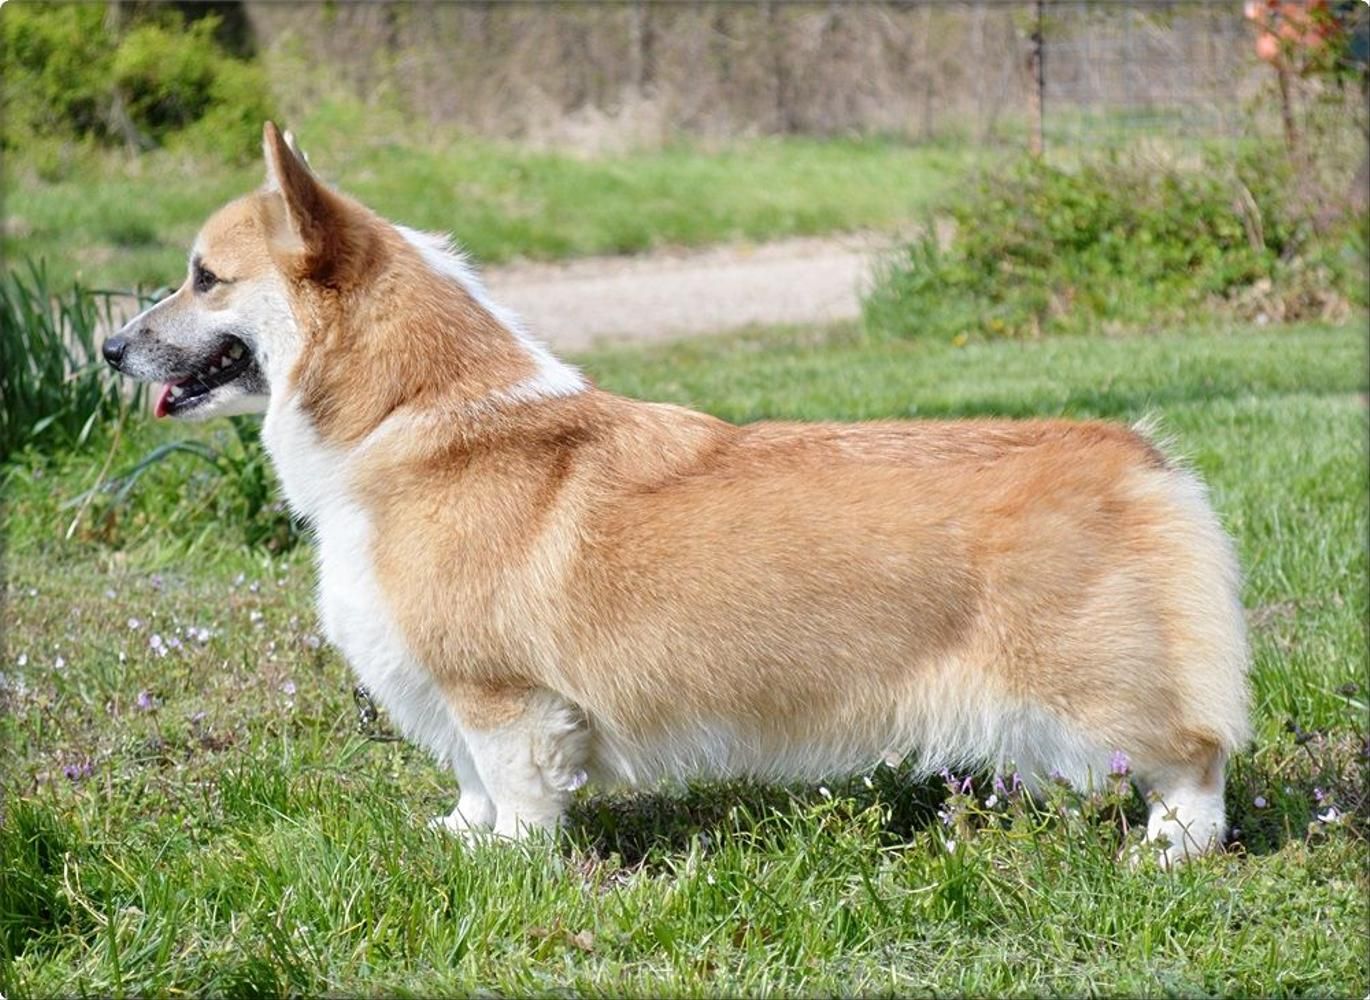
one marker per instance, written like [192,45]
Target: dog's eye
[205,279]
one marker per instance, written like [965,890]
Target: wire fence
[1059,74]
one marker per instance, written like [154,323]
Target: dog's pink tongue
[160,410]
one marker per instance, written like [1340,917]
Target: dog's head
[298,289]
[231,332]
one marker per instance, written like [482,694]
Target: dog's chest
[352,606]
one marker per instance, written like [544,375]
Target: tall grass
[54,386]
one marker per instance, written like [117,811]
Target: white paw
[468,822]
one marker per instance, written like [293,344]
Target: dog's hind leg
[528,747]
[1188,817]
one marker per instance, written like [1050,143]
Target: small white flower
[991,802]
[135,624]
[823,791]
[1331,816]
[951,846]
[59,663]
[23,660]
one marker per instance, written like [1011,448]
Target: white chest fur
[352,607]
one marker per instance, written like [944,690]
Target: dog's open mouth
[229,361]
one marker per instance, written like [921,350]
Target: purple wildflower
[1119,764]
[1319,795]
[289,688]
[146,701]
[1259,802]
[134,624]
[75,772]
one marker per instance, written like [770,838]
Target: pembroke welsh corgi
[547,584]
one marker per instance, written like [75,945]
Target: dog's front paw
[469,820]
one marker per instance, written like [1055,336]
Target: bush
[1036,249]
[54,387]
[66,75]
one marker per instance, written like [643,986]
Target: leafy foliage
[1037,249]
[54,387]
[197,488]
[68,73]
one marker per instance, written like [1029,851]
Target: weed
[55,390]
[1120,243]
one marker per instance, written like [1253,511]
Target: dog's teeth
[225,362]
[236,351]
[176,391]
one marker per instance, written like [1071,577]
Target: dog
[546,584]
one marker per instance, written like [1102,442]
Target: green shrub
[56,66]
[54,387]
[67,75]
[1037,249]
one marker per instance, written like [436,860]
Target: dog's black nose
[114,350]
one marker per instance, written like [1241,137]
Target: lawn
[192,804]
[111,220]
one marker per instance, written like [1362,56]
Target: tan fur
[664,572]
[651,544]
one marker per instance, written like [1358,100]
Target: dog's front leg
[528,748]
[474,811]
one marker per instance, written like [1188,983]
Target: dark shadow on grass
[1300,793]
[644,828]
[1316,781]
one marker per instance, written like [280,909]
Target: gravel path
[661,296]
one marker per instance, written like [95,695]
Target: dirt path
[666,295]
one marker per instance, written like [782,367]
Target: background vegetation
[1125,242]
[78,72]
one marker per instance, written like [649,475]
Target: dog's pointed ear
[319,232]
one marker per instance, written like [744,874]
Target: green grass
[112,220]
[265,846]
